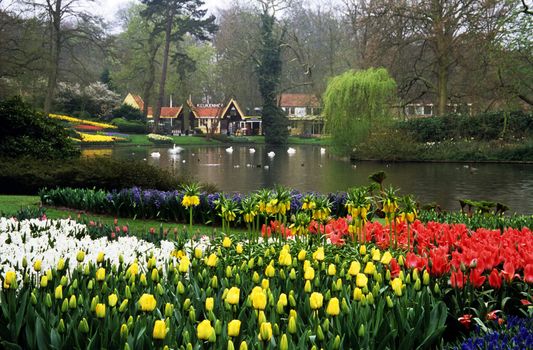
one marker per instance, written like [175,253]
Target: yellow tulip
[386,258]
[354,269]
[270,271]
[239,249]
[100,274]
[160,330]
[376,255]
[357,294]
[204,330]
[265,283]
[301,255]
[183,267]
[198,253]
[370,268]
[60,264]
[212,260]
[10,279]
[332,270]
[397,286]
[112,300]
[319,254]
[362,249]
[147,302]
[259,300]
[234,328]
[285,258]
[44,281]
[233,296]
[265,332]
[80,256]
[209,304]
[316,300]
[59,292]
[226,243]
[37,265]
[291,328]
[307,286]
[309,273]
[333,308]
[361,280]
[134,269]
[100,310]
[100,257]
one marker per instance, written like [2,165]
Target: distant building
[170,117]
[428,109]
[218,118]
[304,113]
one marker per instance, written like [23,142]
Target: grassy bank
[142,140]
[9,205]
[400,147]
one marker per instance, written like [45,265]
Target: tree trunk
[160,97]
[442,88]
[150,79]
[55,52]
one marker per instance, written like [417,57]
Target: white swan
[291,150]
[271,154]
[155,154]
[322,150]
[229,149]
[252,150]
[175,150]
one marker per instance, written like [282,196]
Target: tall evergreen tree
[175,18]
[275,122]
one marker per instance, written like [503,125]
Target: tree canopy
[355,103]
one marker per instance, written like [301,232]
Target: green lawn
[142,140]
[11,204]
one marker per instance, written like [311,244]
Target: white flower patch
[50,240]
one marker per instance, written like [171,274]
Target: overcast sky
[108,8]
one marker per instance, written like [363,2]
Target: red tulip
[457,279]
[528,273]
[495,280]
[394,268]
[508,271]
[476,278]
[466,320]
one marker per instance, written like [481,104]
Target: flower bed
[166,205]
[160,139]
[62,289]
[97,138]
[81,121]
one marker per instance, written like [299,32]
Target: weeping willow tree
[356,103]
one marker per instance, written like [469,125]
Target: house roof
[207,112]
[138,99]
[166,112]
[214,111]
[299,100]
[236,105]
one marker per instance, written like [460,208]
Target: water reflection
[308,169]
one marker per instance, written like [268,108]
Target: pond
[310,169]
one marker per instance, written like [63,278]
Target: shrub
[26,176]
[484,126]
[24,131]
[128,113]
[130,126]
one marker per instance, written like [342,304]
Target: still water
[309,169]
